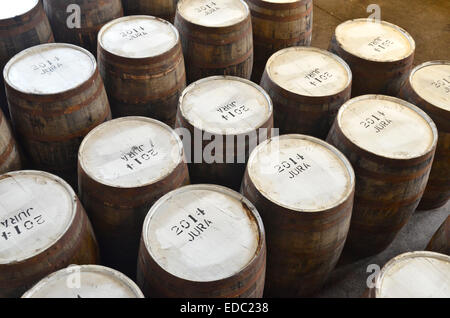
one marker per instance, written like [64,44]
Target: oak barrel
[278,24]
[141,62]
[85,281]
[22,24]
[303,188]
[216,36]
[391,145]
[380,55]
[440,242]
[223,119]
[428,87]
[56,96]
[78,21]
[202,241]
[43,228]
[9,153]
[414,275]
[307,87]
[164,9]
[125,165]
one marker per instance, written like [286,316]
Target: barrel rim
[91,268]
[216,188]
[232,78]
[400,258]
[402,102]
[334,150]
[247,8]
[127,118]
[278,6]
[74,204]
[312,49]
[21,54]
[405,33]
[21,14]
[130,17]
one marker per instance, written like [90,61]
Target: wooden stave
[437,192]
[9,153]
[213,39]
[19,26]
[138,7]
[84,250]
[155,282]
[86,36]
[35,144]
[309,224]
[440,242]
[408,172]
[282,14]
[373,77]
[168,66]
[318,123]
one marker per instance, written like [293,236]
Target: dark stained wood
[164,9]
[440,242]
[9,153]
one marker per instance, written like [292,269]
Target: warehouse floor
[429,24]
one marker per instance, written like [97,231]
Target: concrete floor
[429,24]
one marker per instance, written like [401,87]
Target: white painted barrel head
[213,13]
[225,105]
[49,69]
[431,81]
[301,173]
[36,210]
[375,41]
[138,36]
[85,281]
[415,275]
[309,71]
[387,126]
[11,9]
[203,233]
[130,152]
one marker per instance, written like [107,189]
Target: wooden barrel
[22,24]
[216,36]
[428,87]
[414,275]
[303,189]
[125,165]
[85,281]
[225,117]
[9,153]
[380,55]
[90,15]
[278,24]
[440,242]
[141,61]
[391,145]
[43,228]
[164,9]
[56,96]
[202,241]
[307,87]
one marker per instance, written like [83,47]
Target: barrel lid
[49,69]
[225,105]
[130,152]
[375,41]
[309,71]
[138,36]
[213,13]
[387,126]
[85,281]
[11,9]
[36,210]
[415,275]
[431,81]
[281,1]
[203,232]
[301,173]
